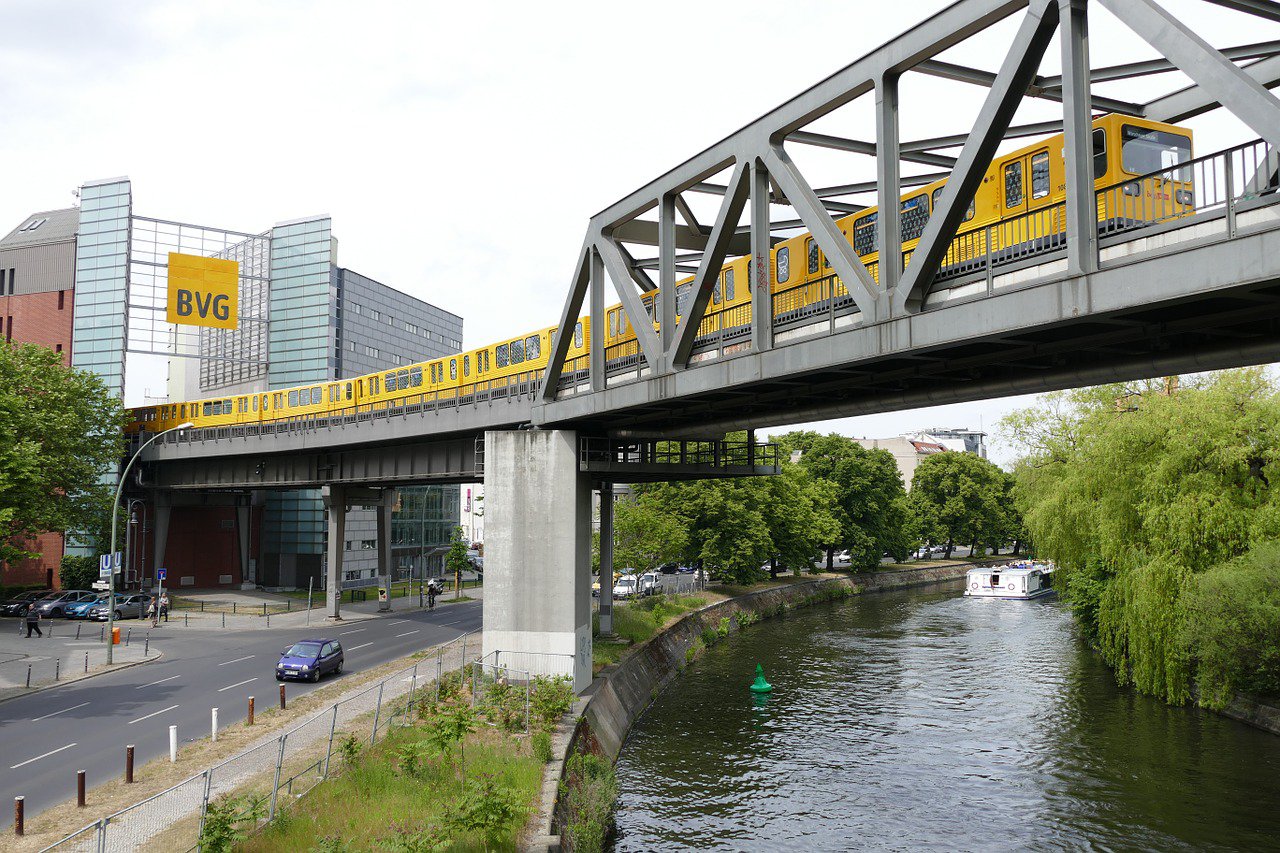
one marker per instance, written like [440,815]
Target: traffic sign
[161,574]
[104,573]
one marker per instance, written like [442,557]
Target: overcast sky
[461,148]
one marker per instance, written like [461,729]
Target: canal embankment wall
[617,697]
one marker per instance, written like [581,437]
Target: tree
[960,497]
[78,572]
[61,431]
[646,534]
[456,560]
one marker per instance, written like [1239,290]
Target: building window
[353,307]
[58,348]
[410,328]
[375,316]
[62,296]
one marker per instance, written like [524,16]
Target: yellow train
[1017,210]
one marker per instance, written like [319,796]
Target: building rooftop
[49,226]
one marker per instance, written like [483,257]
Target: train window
[348,390]
[1013,184]
[864,234]
[1040,175]
[466,365]
[375,385]
[278,401]
[208,409]
[391,382]
[648,308]
[500,352]
[184,410]
[255,402]
[402,380]
[784,264]
[577,336]
[217,407]
[613,324]
[533,344]
[316,396]
[811,249]
[415,376]
[453,368]
[517,352]
[715,294]
[1099,153]
[728,284]
[226,407]
[684,296]
[915,216]
[1143,150]
[937,197]
[293,398]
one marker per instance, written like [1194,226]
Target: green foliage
[413,759]
[504,704]
[487,807]
[229,820]
[722,630]
[331,844]
[589,791]
[349,748]
[78,572]
[1233,626]
[647,533]
[60,431]
[540,746]
[550,699]
[455,559]
[1148,500]
[962,498]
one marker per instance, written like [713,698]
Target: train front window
[1143,150]
[1099,153]
[1040,174]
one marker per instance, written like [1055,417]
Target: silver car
[128,606]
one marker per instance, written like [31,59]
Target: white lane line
[354,648]
[344,633]
[406,633]
[154,683]
[237,684]
[38,757]
[397,621]
[237,660]
[56,713]
[149,716]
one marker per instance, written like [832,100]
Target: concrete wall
[537,596]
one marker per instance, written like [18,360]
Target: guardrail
[288,765]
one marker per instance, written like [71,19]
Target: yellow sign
[203,291]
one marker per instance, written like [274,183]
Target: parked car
[54,605]
[625,587]
[18,605]
[650,582]
[81,609]
[685,570]
[669,568]
[310,659]
[127,606]
[843,556]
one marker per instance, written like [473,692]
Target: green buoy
[760,685]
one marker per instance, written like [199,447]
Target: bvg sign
[203,291]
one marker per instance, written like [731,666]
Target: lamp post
[115,504]
[131,545]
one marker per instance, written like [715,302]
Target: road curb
[82,677]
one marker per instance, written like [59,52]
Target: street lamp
[115,505]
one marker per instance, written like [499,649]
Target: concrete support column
[244,520]
[384,542]
[160,536]
[335,500]
[537,595]
[606,559]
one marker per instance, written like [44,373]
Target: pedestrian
[164,605]
[431,596]
[33,622]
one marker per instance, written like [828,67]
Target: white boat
[1016,580]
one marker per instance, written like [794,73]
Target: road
[46,737]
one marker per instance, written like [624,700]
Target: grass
[638,620]
[375,804]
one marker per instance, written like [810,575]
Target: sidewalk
[60,656]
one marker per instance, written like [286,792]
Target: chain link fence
[275,772]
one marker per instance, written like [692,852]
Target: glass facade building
[101,281]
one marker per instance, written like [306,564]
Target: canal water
[920,720]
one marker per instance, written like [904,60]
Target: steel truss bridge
[1166,291]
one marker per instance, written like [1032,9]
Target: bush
[1233,626]
[228,820]
[540,745]
[551,699]
[78,572]
[589,790]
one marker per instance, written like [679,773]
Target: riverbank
[622,691]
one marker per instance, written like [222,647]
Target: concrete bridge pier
[335,501]
[537,590]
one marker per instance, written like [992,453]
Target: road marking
[237,660]
[56,713]
[406,633]
[154,683]
[149,716]
[397,621]
[38,757]
[237,684]
[354,648]
[344,633]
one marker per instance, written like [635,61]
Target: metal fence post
[275,786]
[439,671]
[377,713]
[102,834]
[204,801]
[333,727]
[413,686]
[1229,178]
[528,681]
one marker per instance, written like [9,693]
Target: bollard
[173,744]
[28,675]
[250,723]
[17,815]
[57,668]
[224,620]
[80,788]
[264,608]
[128,764]
[213,725]
[86,661]
[128,635]
[146,647]
[102,634]
[233,607]
[281,697]
[268,615]
[77,632]
[184,620]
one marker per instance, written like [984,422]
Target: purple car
[309,659]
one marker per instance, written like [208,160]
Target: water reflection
[922,720]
